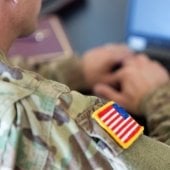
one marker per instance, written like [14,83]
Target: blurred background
[73,25]
[84,24]
[89,23]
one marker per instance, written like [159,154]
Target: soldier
[95,65]
[44,125]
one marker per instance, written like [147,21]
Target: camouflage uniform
[61,69]
[155,106]
[156,109]
[40,129]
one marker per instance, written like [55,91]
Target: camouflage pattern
[156,108]
[40,129]
[60,68]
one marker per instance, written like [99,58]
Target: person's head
[20,15]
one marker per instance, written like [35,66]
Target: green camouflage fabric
[60,68]
[41,129]
[156,108]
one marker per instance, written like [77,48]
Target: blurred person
[44,125]
[113,65]
[95,65]
[144,90]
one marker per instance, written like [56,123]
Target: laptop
[148,28]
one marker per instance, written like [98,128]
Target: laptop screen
[148,24]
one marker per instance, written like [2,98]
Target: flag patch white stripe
[121,132]
[121,125]
[115,123]
[130,132]
[107,114]
[111,118]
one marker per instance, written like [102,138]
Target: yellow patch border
[111,133]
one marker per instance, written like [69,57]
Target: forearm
[156,108]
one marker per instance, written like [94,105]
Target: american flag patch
[118,123]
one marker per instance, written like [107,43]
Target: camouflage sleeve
[42,128]
[66,69]
[145,153]
[39,131]
[156,108]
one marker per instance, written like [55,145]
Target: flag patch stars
[118,124]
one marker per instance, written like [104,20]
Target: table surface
[91,23]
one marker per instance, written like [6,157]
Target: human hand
[99,62]
[137,78]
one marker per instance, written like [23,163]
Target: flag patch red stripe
[131,135]
[105,111]
[108,117]
[132,124]
[122,126]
